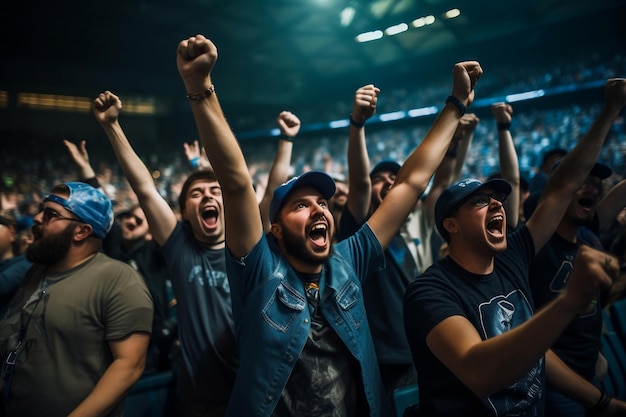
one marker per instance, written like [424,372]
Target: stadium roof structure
[283,51]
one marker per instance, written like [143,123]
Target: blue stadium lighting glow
[431,110]
[529,95]
[336,124]
[396,115]
[424,111]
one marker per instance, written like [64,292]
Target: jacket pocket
[348,300]
[283,307]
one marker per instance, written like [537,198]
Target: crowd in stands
[190,220]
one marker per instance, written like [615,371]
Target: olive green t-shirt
[70,320]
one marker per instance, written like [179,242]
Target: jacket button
[306,321]
[288,357]
[269,398]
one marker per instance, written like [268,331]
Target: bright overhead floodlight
[395,29]
[369,36]
[452,13]
[347,15]
[423,21]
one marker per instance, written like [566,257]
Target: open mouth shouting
[495,226]
[318,234]
[587,203]
[209,217]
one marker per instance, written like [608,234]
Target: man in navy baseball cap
[319,180]
[458,193]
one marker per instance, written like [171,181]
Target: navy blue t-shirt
[493,303]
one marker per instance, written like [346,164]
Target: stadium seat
[405,397]
[615,354]
[151,396]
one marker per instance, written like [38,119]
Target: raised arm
[509,165]
[196,155]
[80,156]
[162,220]
[575,167]
[610,205]
[468,125]
[289,126]
[488,366]
[415,174]
[448,170]
[195,59]
[359,182]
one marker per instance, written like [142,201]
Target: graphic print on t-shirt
[499,315]
[209,277]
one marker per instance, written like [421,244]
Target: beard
[49,250]
[295,245]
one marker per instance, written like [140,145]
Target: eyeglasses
[50,213]
[138,220]
[482,199]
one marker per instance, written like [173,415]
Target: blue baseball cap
[89,204]
[319,180]
[387,165]
[598,170]
[458,193]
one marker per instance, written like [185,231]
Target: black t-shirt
[383,293]
[324,379]
[493,303]
[579,344]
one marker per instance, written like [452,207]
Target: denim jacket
[273,322]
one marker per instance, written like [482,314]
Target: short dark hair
[553,152]
[204,175]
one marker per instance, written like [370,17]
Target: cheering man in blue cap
[77,331]
[304,343]
[477,347]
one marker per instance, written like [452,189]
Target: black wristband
[457,102]
[504,126]
[602,403]
[287,138]
[355,123]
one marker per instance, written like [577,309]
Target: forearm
[563,379]
[576,165]
[279,173]
[423,162]
[359,183]
[509,168]
[491,365]
[243,223]
[133,167]
[610,205]
[461,154]
[221,146]
[110,389]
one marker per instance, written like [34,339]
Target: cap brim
[391,166]
[601,171]
[319,180]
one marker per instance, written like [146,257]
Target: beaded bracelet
[201,96]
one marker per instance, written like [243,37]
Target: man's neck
[472,261]
[72,261]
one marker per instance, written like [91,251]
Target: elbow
[481,385]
